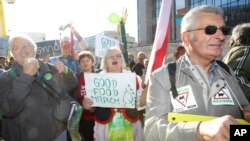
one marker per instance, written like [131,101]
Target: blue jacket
[70,62]
[1,71]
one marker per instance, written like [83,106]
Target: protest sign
[4,46]
[116,90]
[48,48]
[103,43]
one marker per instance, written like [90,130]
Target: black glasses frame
[212,29]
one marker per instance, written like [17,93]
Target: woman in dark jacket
[238,57]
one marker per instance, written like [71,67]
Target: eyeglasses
[113,57]
[212,29]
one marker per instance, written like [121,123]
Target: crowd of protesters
[30,73]
[84,62]
[31,89]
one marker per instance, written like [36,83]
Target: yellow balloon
[114,18]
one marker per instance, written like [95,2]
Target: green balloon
[114,18]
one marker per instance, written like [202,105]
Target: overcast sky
[88,16]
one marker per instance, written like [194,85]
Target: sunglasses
[212,29]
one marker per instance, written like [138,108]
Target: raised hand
[59,66]
[31,66]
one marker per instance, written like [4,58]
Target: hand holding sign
[87,103]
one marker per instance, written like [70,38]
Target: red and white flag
[71,43]
[161,39]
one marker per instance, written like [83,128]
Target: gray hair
[104,65]
[24,37]
[240,35]
[190,18]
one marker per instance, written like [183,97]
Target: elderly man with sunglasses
[204,86]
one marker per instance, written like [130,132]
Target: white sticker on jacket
[223,97]
[185,99]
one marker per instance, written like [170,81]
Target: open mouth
[114,63]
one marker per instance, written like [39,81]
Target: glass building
[235,12]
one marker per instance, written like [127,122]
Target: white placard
[103,43]
[116,90]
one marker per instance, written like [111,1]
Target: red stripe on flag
[71,43]
[161,39]
[160,53]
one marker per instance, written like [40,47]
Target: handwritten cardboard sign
[116,90]
[103,43]
[48,48]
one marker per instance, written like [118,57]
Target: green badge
[47,76]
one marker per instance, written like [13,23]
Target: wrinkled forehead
[205,19]
[20,41]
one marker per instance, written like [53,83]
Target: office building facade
[235,12]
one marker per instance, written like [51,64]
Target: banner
[103,43]
[161,39]
[116,90]
[48,48]
[4,46]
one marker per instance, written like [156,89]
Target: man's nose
[220,34]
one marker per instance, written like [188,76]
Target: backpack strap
[224,66]
[51,91]
[171,71]
[12,72]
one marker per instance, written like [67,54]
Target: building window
[235,11]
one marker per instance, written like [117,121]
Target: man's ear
[185,38]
